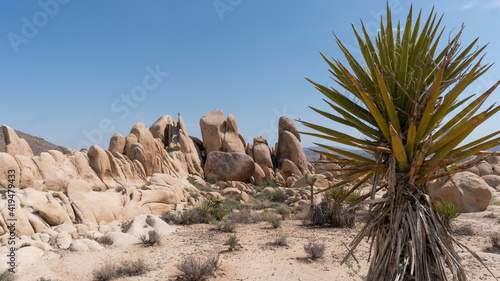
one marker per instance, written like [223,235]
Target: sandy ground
[257,260]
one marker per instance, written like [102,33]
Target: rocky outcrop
[262,153]
[229,166]
[14,145]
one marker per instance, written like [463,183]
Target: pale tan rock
[301,182]
[117,143]
[289,169]
[259,174]
[492,180]
[81,162]
[94,206]
[8,167]
[14,145]
[229,166]
[289,146]
[23,226]
[213,128]
[99,161]
[485,168]
[118,240]
[144,150]
[231,191]
[29,171]
[244,196]
[473,193]
[233,141]
[262,153]
[35,222]
[50,171]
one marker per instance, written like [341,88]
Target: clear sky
[75,72]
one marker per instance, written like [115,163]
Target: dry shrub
[325,214]
[281,240]
[228,226]
[273,219]
[247,216]
[196,269]
[314,250]
[465,230]
[110,271]
[495,241]
[233,242]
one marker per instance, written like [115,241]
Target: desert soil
[257,260]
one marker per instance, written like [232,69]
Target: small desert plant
[227,225]
[495,240]
[195,269]
[111,271]
[274,220]
[336,193]
[281,240]
[465,230]
[314,250]
[194,195]
[284,210]
[247,216]
[193,216]
[170,218]
[207,187]
[153,238]
[490,216]
[212,179]
[231,204]
[42,279]
[278,196]
[448,211]
[354,272]
[266,183]
[233,242]
[7,276]
[219,213]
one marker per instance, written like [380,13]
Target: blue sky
[75,72]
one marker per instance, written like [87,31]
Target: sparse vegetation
[278,196]
[314,250]
[196,269]
[281,240]
[233,242]
[153,238]
[110,271]
[465,230]
[274,220]
[284,210]
[325,214]
[227,225]
[495,241]
[448,211]
[231,204]
[212,179]
[354,272]
[247,216]
[266,183]
[7,276]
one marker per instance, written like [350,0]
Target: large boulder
[14,145]
[262,153]
[141,145]
[117,143]
[142,224]
[471,191]
[213,128]
[229,166]
[233,141]
[289,146]
[99,161]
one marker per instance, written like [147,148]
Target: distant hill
[38,145]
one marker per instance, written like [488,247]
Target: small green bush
[284,210]
[227,225]
[231,204]
[448,211]
[212,179]
[281,240]
[278,196]
[495,241]
[247,216]
[266,183]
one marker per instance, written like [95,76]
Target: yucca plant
[404,96]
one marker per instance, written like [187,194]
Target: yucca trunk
[409,240]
